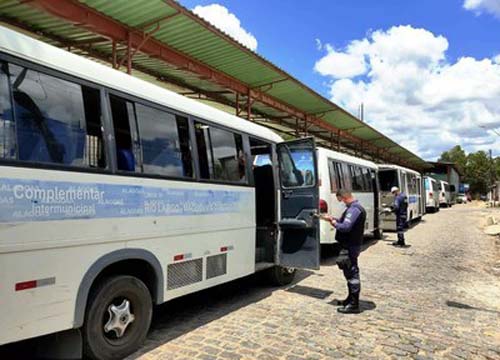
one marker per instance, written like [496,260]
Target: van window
[356,178]
[7,126]
[128,149]
[57,121]
[367,176]
[221,154]
[165,142]
[388,179]
[334,176]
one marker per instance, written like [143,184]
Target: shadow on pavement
[469,307]
[364,305]
[310,291]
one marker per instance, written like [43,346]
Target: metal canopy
[162,39]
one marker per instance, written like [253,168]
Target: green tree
[455,155]
[478,172]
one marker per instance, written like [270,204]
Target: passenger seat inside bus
[125,159]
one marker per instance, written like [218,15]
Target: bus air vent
[184,273]
[216,265]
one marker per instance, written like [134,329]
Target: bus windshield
[388,179]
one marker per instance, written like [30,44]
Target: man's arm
[349,220]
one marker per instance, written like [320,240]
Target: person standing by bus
[400,208]
[350,228]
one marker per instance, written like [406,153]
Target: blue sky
[459,38]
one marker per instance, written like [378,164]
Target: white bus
[117,195]
[409,182]
[431,187]
[340,171]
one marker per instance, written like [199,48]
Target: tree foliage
[478,169]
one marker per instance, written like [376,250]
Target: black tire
[97,344]
[378,234]
[281,276]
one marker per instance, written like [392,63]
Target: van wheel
[378,234]
[117,318]
[280,275]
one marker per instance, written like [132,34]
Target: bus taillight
[323,206]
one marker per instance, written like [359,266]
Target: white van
[340,171]
[444,194]
[432,187]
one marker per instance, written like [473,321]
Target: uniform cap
[394,188]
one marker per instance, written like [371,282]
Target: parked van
[432,188]
[340,171]
[444,194]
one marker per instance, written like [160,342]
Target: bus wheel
[280,275]
[117,318]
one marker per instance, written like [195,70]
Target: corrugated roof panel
[192,36]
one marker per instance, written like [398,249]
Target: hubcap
[120,318]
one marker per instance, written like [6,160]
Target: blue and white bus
[117,195]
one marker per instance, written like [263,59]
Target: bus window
[126,137]
[387,179]
[57,121]
[346,177]
[164,142]
[334,177]
[356,178]
[221,155]
[260,152]
[367,176]
[7,128]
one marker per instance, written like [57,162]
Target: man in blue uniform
[350,228]
[400,208]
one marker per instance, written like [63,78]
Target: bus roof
[347,158]
[25,47]
[397,167]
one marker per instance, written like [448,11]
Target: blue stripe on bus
[412,199]
[40,200]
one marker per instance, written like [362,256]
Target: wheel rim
[119,318]
[288,270]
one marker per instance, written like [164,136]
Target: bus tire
[128,331]
[281,276]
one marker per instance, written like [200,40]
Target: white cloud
[478,6]
[413,94]
[220,17]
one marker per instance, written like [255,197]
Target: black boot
[352,307]
[346,300]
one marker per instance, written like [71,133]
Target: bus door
[298,243]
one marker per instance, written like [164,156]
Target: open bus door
[299,245]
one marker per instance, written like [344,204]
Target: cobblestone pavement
[437,299]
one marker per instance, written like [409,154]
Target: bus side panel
[44,258]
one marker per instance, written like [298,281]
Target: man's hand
[329,218]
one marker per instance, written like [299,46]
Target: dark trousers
[400,228]
[351,273]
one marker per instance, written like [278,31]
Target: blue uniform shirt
[401,204]
[351,215]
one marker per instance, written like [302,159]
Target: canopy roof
[162,39]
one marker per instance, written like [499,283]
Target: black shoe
[398,244]
[343,302]
[349,309]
